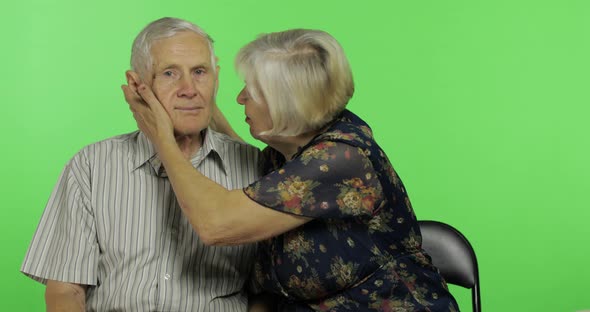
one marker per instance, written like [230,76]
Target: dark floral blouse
[361,251]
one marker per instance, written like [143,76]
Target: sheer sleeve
[328,180]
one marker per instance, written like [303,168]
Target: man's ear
[217,68]
[132,79]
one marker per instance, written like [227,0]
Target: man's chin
[195,132]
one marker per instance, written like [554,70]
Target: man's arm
[65,297]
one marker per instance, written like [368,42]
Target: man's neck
[190,144]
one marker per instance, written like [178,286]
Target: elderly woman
[335,225]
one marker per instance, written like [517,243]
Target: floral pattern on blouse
[361,251]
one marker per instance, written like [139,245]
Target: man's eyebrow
[176,66]
[202,65]
[166,66]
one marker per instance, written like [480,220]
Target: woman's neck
[289,145]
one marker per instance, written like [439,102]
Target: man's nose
[187,88]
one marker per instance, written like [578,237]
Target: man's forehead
[182,45]
[183,35]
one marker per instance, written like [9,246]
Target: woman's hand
[151,117]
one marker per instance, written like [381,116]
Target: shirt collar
[212,147]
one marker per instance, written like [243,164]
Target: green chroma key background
[482,106]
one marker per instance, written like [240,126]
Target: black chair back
[453,255]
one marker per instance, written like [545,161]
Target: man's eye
[199,71]
[168,73]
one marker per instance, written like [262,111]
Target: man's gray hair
[141,57]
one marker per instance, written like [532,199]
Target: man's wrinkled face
[184,80]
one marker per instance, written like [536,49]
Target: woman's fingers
[149,114]
[131,97]
[149,97]
[130,91]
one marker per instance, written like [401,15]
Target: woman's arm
[263,302]
[218,215]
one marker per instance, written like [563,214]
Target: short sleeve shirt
[361,251]
[114,223]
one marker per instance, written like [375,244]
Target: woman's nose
[242,97]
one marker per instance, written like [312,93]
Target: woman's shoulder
[348,128]
[270,160]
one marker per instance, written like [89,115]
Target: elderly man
[112,236]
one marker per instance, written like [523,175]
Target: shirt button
[167,276]
[284,293]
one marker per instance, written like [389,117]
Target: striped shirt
[113,222]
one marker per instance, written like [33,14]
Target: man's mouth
[189,109]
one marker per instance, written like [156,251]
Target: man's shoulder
[121,139]
[116,149]
[109,145]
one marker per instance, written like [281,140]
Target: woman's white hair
[303,75]
[141,56]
